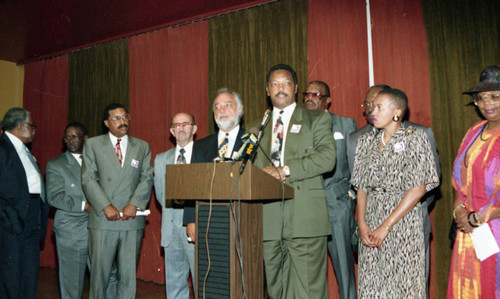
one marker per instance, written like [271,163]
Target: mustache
[281,93]
[123,125]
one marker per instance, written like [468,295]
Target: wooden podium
[234,217]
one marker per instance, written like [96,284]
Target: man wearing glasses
[178,252]
[117,177]
[23,209]
[337,184]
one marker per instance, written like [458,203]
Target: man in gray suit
[64,192]
[117,177]
[178,252]
[428,198]
[337,184]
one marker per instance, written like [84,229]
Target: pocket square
[338,135]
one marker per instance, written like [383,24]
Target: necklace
[383,142]
[481,135]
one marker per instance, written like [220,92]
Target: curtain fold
[244,45]
[98,76]
[338,53]
[463,38]
[168,75]
[46,97]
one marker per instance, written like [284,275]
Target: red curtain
[338,55]
[400,53]
[46,97]
[168,74]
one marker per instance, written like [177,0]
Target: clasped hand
[112,214]
[372,238]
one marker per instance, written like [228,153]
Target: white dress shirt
[233,134]
[123,144]
[187,154]
[285,118]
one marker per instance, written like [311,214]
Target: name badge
[134,163]
[295,129]
[398,147]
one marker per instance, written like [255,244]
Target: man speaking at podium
[228,111]
[301,146]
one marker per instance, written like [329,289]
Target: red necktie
[119,150]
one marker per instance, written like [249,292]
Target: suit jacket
[206,150]
[14,191]
[161,161]
[309,153]
[337,182]
[64,192]
[106,182]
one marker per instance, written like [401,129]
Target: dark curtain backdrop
[168,75]
[463,38]
[243,46]
[98,76]
[46,97]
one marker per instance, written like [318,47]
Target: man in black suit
[23,210]
[228,111]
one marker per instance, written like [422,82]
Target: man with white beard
[228,111]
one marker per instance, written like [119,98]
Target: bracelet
[468,219]
[476,219]
[388,228]
[456,208]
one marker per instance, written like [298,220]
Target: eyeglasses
[314,95]
[31,125]
[118,118]
[72,137]
[367,105]
[226,105]
[183,125]
[481,99]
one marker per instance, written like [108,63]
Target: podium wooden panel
[192,182]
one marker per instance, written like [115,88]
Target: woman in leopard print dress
[394,167]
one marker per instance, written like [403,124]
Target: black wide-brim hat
[488,81]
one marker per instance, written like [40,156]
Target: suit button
[298,187]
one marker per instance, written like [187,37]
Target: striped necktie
[223,146]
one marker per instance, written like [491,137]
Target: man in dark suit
[302,148]
[178,252]
[117,177]
[23,210]
[337,184]
[223,145]
[428,198]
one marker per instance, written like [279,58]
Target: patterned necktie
[223,146]
[181,159]
[277,145]
[118,150]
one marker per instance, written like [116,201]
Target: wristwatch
[286,170]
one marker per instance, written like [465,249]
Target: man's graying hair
[236,96]
[14,117]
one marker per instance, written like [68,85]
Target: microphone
[246,139]
[252,147]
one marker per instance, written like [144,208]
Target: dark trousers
[20,256]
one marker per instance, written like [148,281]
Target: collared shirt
[233,134]
[189,151]
[123,144]
[33,177]
[78,158]
[285,118]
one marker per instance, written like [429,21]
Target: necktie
[118,150]
[277,145]
[224,144]
[181,159]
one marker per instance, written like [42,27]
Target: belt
[34,195]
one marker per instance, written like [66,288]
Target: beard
[226,125]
